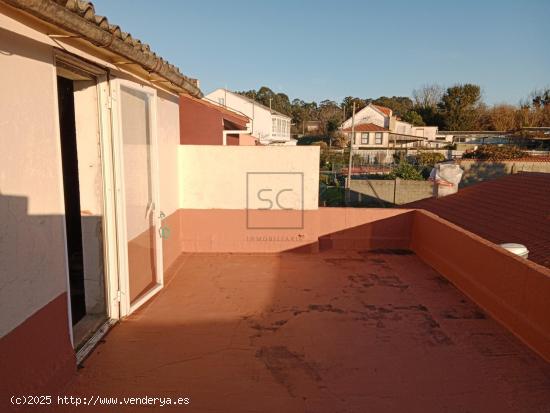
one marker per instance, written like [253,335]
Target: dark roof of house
[367,127]
[79,17]
[514,208]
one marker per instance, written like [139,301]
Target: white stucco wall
[372,139]
[260,116]
[32,244]
[402,127]
[216,176]
[428,132]
[368,115]
[33,264]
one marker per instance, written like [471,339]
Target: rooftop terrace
[329,331]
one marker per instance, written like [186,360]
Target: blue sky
[319,50]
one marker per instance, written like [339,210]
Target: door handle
[164,232]
[150,208]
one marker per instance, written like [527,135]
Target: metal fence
[372,180]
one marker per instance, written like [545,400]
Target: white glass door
[137,156]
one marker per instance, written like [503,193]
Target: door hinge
[109,102]
[118,296]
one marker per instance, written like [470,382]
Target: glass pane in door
[139,193]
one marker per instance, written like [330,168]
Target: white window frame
[109,228]
[126,307]
[363,138]
[378,138]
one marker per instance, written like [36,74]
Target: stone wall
[478,171]
[386,192]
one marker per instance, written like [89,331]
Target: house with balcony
[377,127]
[269,126]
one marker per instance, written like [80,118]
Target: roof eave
[55,13]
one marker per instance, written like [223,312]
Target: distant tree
[330,115]
[340,140]
[502,117]
[431,116]
[302,112]
[459,106]
[426,103]
[428,96]
[267,97]
[347,105]
[540,97]
[398,104]
[413,117]
[535,111]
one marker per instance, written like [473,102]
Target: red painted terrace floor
[329,332]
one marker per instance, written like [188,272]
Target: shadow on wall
[392,233]
[482,171]
[34,325]
[359,199]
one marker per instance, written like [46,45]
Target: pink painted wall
[515,291]
[226,230]
[37,357]
[247,140]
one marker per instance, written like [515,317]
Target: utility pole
[348,181]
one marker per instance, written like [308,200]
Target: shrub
[406,171]
[495,153]
[429,159]
[426,161]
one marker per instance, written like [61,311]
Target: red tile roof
[386,111]
[367,127]
[514,208]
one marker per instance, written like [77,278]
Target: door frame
[70,62]
[127,307]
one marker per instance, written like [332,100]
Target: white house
[377,115]
[268,125]
[376,126]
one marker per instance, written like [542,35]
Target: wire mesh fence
[379,177]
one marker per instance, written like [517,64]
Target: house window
[274,126]
[378,138]
[365,138]
[221,101]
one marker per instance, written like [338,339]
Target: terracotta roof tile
[514,208]
[386,111]
[83,15]
[367,127]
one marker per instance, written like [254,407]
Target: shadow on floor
[335,331]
